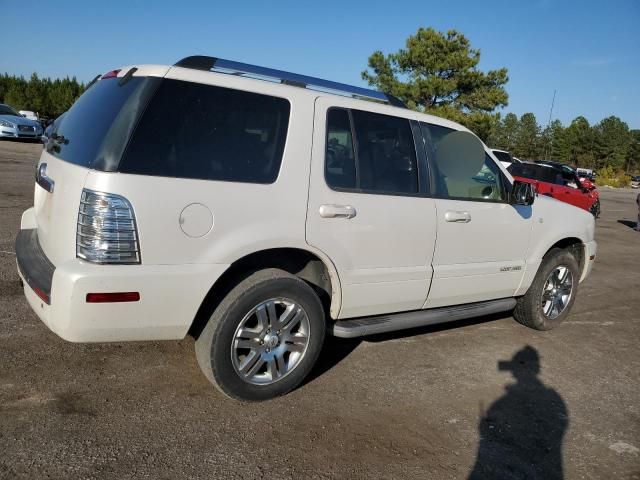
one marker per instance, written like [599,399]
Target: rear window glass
[536,172]
[199,131]
[503,156]
[85,125]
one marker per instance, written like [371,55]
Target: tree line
[50,98]
[607,144]
[437,73]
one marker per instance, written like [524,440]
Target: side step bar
[360,327]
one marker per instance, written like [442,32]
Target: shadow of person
[521,433]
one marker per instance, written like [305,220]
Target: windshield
[7,110]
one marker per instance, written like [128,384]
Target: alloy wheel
[270,341]
[557,292]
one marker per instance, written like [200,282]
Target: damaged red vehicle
[560,182]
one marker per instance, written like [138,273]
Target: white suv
[258,209]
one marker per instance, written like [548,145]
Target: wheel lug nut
[261,342]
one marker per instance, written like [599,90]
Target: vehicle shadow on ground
[521,433]
[628,223]
[335,350]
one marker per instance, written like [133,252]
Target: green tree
[633,153]
[437,73]
[612,142]
[553,142]
[527,141]
[580,138]
[49,98]
[504,133]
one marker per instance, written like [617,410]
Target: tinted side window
[340,164]
[199,131]
[386,153]
[536,172]
[462,169]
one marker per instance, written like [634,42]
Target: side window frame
[433,169]
[419,149]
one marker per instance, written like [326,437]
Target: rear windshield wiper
[60,139]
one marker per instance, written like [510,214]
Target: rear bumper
[170,296]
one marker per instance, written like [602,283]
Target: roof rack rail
[220,65]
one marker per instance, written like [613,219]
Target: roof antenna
[553,100]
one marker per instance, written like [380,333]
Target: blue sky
[589,51]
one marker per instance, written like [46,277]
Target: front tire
[264,338]
[552,294]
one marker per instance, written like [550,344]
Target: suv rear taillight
[107,230]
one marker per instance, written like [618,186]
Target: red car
[560,182]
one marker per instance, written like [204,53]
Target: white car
[29,114]
[258,211]
[15,125]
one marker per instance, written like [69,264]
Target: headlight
[4,123]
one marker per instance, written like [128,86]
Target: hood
[19,120]
[564,219]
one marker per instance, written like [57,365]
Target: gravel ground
[430,403]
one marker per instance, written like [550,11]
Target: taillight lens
[107,230]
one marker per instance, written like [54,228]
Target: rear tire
[264,338]
[551,295]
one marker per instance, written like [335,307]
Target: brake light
[111,74]
[113,297]
[106,230]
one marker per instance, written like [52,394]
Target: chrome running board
[360,327]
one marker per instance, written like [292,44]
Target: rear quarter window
[86,124]
[191,130]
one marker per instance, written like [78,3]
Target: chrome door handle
[457,217]
[337,211]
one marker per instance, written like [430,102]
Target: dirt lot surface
[427,404]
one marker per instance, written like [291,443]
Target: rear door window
[386,153]
[190,130]
[381,160]
[340,163]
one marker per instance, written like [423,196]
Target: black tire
[214,345]
[529,310]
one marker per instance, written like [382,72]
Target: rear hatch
[91,136]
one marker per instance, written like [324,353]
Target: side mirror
[522,193]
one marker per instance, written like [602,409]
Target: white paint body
[397,253]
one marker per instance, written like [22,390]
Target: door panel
[381,244]
[482,240]
[481,259]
